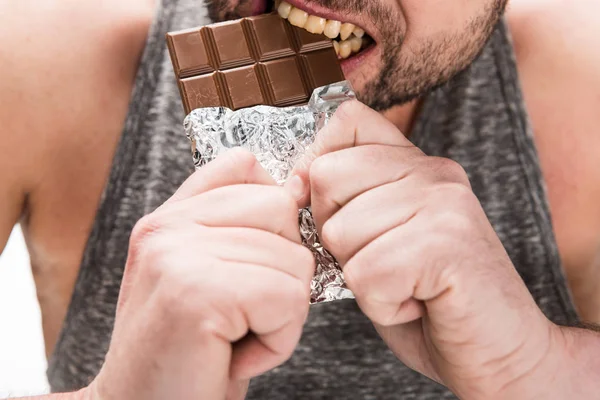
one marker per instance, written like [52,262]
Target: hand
[422,259]
[216,289]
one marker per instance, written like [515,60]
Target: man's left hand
[422,259]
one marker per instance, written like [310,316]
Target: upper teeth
[350,35]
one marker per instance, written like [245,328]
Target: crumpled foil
[278,137]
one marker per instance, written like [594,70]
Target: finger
[368,216]
[269,208]
[254,355]
[469,303]
[275,307]
[236,166]
[353,124]
[408,343]
[416,261]
[384,276]
[339,177]
[240,245]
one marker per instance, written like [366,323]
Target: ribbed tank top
[477,119]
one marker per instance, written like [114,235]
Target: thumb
[353,124]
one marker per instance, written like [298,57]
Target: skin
[430,299]
[63,195]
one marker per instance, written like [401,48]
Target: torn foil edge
[278,137]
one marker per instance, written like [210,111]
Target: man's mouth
[348,39]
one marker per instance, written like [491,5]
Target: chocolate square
[269,37]
[243,86]
[284,78]
[322,68]
[201,91]
[188,53]
[230,44]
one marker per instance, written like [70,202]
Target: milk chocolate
[261,60]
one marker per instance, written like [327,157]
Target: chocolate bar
[261,60]
[278,137]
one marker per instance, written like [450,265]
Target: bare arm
[15,147]
[557,44]
[66,74]
[21,153]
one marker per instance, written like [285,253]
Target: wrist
[581,363]
[568,369]
[536,370]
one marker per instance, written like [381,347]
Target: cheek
[431,18]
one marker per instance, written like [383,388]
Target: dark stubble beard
[404,75]
[407,75]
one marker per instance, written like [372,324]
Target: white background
[22,358]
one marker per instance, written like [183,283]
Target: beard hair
[404,78]
[405,74]
[225,10]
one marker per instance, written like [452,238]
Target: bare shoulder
[549,28]
[557,44]
[60,59]
[66,70]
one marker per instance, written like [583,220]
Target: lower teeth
[347,38]
[352,45]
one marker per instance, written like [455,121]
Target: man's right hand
[215,291]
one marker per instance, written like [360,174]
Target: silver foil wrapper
[278,137]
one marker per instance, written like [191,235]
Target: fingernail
[296,187]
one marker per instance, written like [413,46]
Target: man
[207,303]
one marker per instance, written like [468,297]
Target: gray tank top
[477,119]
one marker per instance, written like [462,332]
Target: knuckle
[332,235]
[381,312]
[369,275]
[463,197]
[240,160]
[355,276]
[142,239]
[304,262]
[319,171]
[451,222]
[307,259]
[156,258]
[451,170]
[381,316]
[282,202]
[299,297]
[439,268]
[245,159]
[146,226]
[454,194]
[348,110]
[242,157]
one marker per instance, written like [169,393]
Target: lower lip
[259,7]
[354,62]
[348,65]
